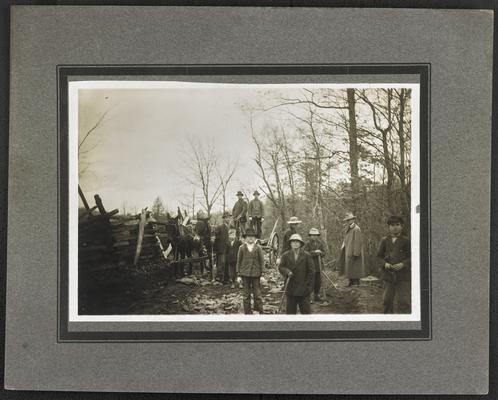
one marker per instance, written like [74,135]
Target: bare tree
[203,162]
[225,175]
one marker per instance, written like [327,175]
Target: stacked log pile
[107,238]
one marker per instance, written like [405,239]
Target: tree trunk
[353,151]
[401,136]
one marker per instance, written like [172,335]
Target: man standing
[293,224]
[395,271]
[317,250]
[221,247]
[256,213]
[298,268]
[232,253]
[239,213]
[351,261]
[203,234]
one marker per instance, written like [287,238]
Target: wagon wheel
[274,246]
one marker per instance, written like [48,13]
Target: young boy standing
[395,271]
[297,266]
[250,262]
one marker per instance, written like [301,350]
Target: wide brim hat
[349,216]
[294,220]
[256,193]
[314,231]
[249,232]
[239,193]
[296,237]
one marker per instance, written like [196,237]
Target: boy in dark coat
[395,271]
[232,251]
[297,266]
[250,262]
[317,249]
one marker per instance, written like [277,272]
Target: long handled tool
[330,280]
[213,270]
[320,268]
[287,279]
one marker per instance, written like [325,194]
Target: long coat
[303,270]
[239,211]
[221,239]
[352,259]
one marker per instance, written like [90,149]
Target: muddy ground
[156,291]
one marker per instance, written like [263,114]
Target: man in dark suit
[298,267]
[221,246]
[395,254]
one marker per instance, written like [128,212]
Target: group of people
[241,262]
[251,213]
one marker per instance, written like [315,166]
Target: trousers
[302,301]
[317,282]
[221,265]
[256,225]
[397,293]
[252,286]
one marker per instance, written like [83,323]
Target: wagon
[272,244]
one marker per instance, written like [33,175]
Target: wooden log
[83,199]
[141,227]
[100,205]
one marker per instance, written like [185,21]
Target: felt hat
[296,237]
[349,216]
[249,232]
[256,193]
[394,219]
[239,193]
[314,231]
[294,220]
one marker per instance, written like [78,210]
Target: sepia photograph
[198,201]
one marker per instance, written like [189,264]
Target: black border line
[65,71]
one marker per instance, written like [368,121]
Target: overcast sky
[139,151]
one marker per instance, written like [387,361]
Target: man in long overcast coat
[352,261]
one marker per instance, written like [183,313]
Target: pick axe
[287,279]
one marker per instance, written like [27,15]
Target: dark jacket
[239,211]
[394,253]
[250,263]
[303,269]
[232,251]
[311,246]
[221,239]
[255,208]
[285,242]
